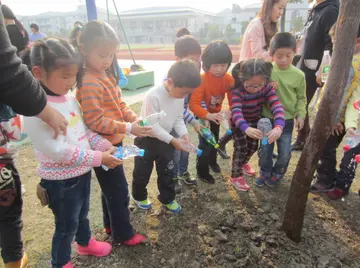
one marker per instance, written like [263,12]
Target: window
[233,20]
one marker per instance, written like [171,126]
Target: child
[251,93]
[327,176]
[216,82]
[182,78]
[66,163]
[187,47]
[107,114]
[292,93]
[182,32]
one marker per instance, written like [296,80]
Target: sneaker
[173,206]
[222,152]
[207,178]
[336,193]
[68,265]
[95,248]
[248,170]
[271,182]
[178,185]
[215,168]
[145,204]
[135,240]
[187,179]
[298,145]
[240,184]
[260,181]
[319,187]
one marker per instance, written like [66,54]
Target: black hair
[282,40]
[244,70]
[73,37]
[94,33]
[185,73]
[181,32]
[52,53]
[217,52]
[34,26]
[187,45]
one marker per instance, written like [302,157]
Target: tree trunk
[347,28]
[283,20]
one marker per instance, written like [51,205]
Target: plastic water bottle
[225,124]
[352,141]
[190,148]
[208,135]
[127,151]
[325,66]
[265,126]
[152,119]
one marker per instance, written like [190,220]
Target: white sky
[33,7]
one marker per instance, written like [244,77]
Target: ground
[218,226]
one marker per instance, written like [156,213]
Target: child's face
[254,84]
[283,57]
[177,92]
[218,70]
[100,57]
[60,80]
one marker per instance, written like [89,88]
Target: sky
[33,7]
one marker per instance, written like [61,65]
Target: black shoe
[215,168]
[188,179]
[207,178]
[222,152]
[178,186]
[298,145]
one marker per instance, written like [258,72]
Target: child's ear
[37,72]
[170,82]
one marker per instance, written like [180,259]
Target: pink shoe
[68,265]
[248,170]
[95,248]
[240,184]
[135,240]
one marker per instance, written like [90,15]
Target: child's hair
[73,36]
[217,52]
[52,53]
[181,32]
[187,45]
[95,33]
[244,70]
[185,73]
[332,31]
[270,27]
[34,26]
[282,40]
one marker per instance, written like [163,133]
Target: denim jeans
[69,201]
[278,169]
[181,163]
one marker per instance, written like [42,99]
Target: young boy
[347,121]
[291,91]
[183,77]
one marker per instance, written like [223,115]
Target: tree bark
[347,28]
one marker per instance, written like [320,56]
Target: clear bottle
[265,126]
[152,119]
[325,66]
[127,151]
[352,141]
[225,124]
[191,148]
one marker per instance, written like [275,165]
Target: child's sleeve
[123,81]
[301,100]
[236,111]
[97,142]
[90,97]
[41,136]
[276,107]
[351,114]
[197,97]
[188,117]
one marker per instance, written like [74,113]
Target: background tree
[283,17]
[214,32]
[229,33]
[297,24]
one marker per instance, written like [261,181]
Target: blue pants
[69,201]
[278,169]
[181,163]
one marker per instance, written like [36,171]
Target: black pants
[115,202]
[10,214]
[209,154]
[162,154]
[225,139]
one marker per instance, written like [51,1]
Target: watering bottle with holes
[191,148]
[265,126]
[208,135]
[153,119]
[225,124]
[127,151]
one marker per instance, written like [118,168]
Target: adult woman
[261,29]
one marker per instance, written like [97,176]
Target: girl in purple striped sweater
[252,91]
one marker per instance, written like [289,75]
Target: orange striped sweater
[103,109]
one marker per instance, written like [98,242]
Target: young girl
[252,91]
[216,82]
[66,162]
[107,114]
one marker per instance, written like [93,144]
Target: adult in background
[36,34]
[78,24]
[317,40]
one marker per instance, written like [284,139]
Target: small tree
[228,33]
[297,24]
[214,32]
[283,17]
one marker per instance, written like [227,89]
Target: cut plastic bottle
[127,151]
[225,124]
[352,141]
[208,135]
[265,126]
[153,119]
[191,148]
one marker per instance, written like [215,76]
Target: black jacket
[321,18]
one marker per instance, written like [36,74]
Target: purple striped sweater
[247,107]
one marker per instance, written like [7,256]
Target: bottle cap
[199,152]
[356,105]
[229,132]
[357,158]
[144,123]
[346,148]
[141,152]
[216,146]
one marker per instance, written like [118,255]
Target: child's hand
[318,78]
[177,144]
[138,130]
[109,160]
[351,132]
[337,129]
[274,85]
[274,134]
[197,127]
[227,114]
[254,133]
[186,138]
[299,123]
[217,117]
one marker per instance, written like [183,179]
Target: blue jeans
[69,201]
[181,163]
[278,169]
